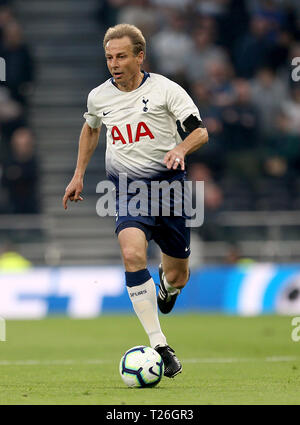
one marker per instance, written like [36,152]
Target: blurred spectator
[175,4]
[267,93]
[108,12]
[232,23]
[291,108]
[212,154]
[213,202]
[4,202]
[282,149]
[279,30]
[235,257]
[11,260]
[142,14]
[219,76]
[280,51]
[204,51]
[274,15]
[11,117]
[6,17]
[252,51]
[293,7]
[240,121]
[171,47]
[212,7]
[20,173]
[19,63]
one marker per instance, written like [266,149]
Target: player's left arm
[196,138]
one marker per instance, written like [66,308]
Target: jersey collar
[146,75]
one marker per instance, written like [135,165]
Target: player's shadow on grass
[138,389]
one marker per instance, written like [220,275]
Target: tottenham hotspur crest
[145,109]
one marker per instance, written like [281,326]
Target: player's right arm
[88,142]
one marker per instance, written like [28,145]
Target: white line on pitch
[68,362]
[243,360]
[50,362]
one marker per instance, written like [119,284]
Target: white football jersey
[141,124]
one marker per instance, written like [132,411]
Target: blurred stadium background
[234,57]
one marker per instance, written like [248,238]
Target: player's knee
[177,278]
[134,259]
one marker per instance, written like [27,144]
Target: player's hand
[73,191]
[174,158]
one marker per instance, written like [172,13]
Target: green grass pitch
[226,360]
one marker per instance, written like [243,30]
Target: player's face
[123,65]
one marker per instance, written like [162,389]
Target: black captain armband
[192,122]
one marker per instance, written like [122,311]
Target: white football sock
[143,298]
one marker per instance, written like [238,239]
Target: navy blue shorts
[169,232]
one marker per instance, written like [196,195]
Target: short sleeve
[180,104]
[91,116]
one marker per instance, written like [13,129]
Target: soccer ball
[141,367]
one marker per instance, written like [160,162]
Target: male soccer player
[140,111]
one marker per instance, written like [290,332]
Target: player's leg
[173,274]
[140,285]
[176,271]
[142,292]
[173,238]
[171,283]
[133,244]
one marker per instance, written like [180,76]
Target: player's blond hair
[131,31]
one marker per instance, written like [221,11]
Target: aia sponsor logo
[132,134]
